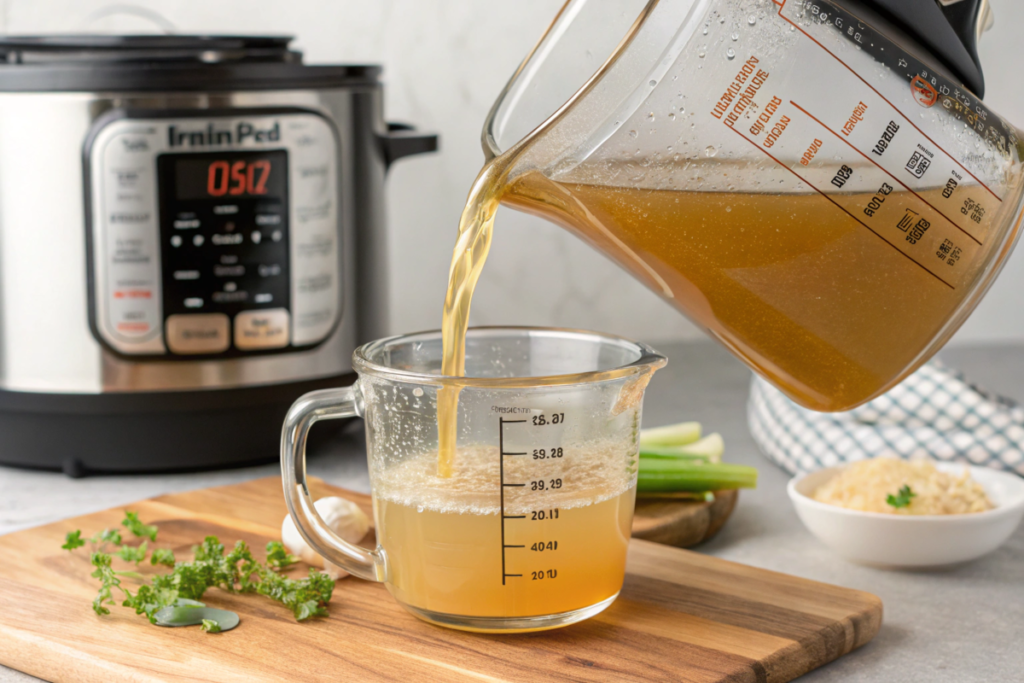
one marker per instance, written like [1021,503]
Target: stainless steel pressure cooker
[191,236]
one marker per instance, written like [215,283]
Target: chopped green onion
[670,474]
[697,496]
[672,435]
[710,448]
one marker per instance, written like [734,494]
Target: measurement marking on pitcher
[549,484]
[887,172]
[501,468]
[843,209]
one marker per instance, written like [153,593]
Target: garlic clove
[342,516]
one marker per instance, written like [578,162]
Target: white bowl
[912,541]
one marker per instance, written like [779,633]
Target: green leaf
[135,525]
[210,626]
[149,600]
[278,557]
[305,610]
[73,540]
[902,497]
[162,556]
[211,549]
[134,555]
[97,605]
[107,536]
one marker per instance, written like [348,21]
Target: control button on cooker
[229,271]
[198,333]
[227,238]
[267,329]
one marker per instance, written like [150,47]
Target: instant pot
[192,235]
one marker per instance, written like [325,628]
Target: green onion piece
[696,496]
[710,448]
[671,435]
[665,474]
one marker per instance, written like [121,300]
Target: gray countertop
[957,625]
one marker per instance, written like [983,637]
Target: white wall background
[445,61]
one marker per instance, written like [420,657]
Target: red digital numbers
[237,178]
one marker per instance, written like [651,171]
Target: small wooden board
[680,616]
[682,523]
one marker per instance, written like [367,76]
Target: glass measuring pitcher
[530,532]
[814,187]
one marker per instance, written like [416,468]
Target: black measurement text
[844,174]
[541,546]
[547,453]
[876,202]
[887,137]
[545,484]
[544,574]
[541,515]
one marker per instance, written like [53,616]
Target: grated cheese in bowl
[903,488]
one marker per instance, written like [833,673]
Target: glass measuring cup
[810,184]
[531,530]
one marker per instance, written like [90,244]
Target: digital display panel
[245,175]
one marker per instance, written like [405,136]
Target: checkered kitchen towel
[935,412]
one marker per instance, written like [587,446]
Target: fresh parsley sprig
[163,556]
[133,554]
[902,497]
[73,540]
[278,557]
[133,524]
[236,571]
[107,536]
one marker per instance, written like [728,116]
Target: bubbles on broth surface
[589,473]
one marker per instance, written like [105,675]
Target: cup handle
[326,404]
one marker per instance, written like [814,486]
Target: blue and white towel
[935,413]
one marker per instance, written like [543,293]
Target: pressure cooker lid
[167,63]
[106,48]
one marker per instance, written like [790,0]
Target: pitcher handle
[326,404]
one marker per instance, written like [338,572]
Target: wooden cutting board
[682,523]
[680,616]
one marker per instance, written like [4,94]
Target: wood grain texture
[681,616]
[682,523]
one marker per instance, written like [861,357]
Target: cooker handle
[403,140]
